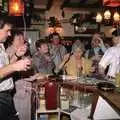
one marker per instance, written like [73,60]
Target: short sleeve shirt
[7,83]
[57,52]
[111,58]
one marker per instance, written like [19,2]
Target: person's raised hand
[66,57]
[22,65]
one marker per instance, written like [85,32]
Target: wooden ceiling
[82,3]
[42,4]
[46,4]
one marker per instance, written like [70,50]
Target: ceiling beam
[49,4]
[81,4]
[38,10]
[76,5]
[65,2]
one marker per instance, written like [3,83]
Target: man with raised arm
[7,109]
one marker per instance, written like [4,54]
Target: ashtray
[106,86]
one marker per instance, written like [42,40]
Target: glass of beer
[117,80]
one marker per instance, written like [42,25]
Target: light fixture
[16,7]
[111,13]
[107,15]
[51,30]
[99,17]
[55,30]
[116,17]
[54,25]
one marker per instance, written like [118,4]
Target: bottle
[117,80]
[64,74]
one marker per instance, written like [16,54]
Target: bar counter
[69,91]
[111,97]
[29,93]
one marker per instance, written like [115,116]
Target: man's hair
[116,32]
[15,33]
[38,43]
[54,34]
[10,39]
[4,21]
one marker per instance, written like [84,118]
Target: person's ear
[38,48]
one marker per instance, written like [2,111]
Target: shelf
[39,111]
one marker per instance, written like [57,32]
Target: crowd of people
[51,58]
[82,60]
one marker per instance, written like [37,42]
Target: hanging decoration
[54,25]
[16,7]
[111,14]
[111,3]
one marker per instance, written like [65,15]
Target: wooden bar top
[113,98]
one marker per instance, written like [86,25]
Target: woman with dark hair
[16,47]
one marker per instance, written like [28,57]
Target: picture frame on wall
[38,19]
[85,24]
[86,28]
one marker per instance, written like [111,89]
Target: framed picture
[86,24]
[38,19]
[86,28]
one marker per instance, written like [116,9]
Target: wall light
[116,16]
[111,14]
[99,17]
[108,17]
[16,7]
[54,25]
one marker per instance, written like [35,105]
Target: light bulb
[76,28]
[74,20]
[98,17]
[58,29]
[51,30]
[116,16]
[107,15]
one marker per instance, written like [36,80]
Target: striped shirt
[7,83]
[57,53]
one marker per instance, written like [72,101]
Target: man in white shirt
[112,57]
[7,109]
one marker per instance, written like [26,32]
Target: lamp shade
[107,15]
[116,17]
[98,17]
[16,7]
[111,3]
